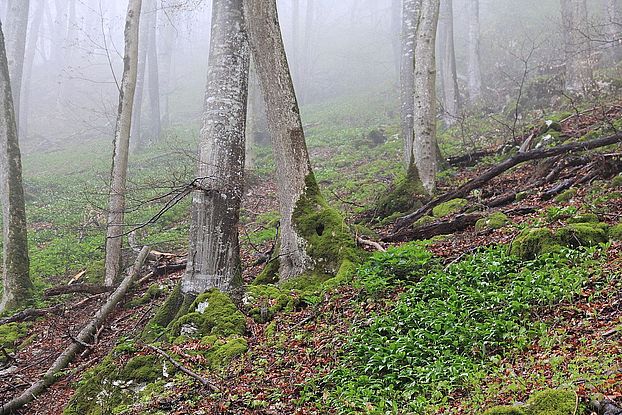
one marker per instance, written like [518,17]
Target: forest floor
[299,347]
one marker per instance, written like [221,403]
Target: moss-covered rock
[532,242]
[450,207]
[405,195]
[552,402]
[505,410]
[424,220]
[223,352]
[584,218]
[176,305]
[262,302]
[154,291]
[144,368]
[496,220]
[9,335]
[566,196]
[583,234]
[615,232]
[270,273]
[211,313]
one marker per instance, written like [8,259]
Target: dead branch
[446,227]
[372,244]
[497,170]
[76,288]
[86,334]
[30,314]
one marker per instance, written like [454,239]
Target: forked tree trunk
[116,205]
[474,67]
[425,150]
[410,17]
[15,275]
[449,78]
[576,46]
[16,30]
[214,256]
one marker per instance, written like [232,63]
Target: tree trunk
[474,67]
[295,64]
[449,78]
[155,126]
[137,113]
[425,147]
[576,46]
[29,58]
[15,276]
[214,256]
[407,75]
[614,25]
[116,205]
[167,38]
[252,125]
[396,21]
[16,30]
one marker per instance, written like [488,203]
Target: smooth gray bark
[474,73]
[116,204]
[16,30]
[137,112]
[15,276]
[396,21]
[449,78]
[155,126]
[214,255]
[293,166]
[613,14]
[407,76]
[425,147]
[29,58]
[577,47]
[167,37]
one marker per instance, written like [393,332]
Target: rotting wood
[497,170]
[86,334]
[372,244]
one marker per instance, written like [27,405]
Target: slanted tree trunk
[16,30]
[425,147]
[577,51]
[613,23]
[214,256]
[449,78]
[407,75]
[15,275]
[155,126]
[313,237]
[474,67]
[116,204]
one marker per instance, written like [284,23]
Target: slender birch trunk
[425,147]
[449,78]
[474,67]
[15,276]
[16,31]
[214,256]
[577,51]
[407,75]
[116,205]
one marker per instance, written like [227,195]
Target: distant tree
[34,32]
[16,30]
[118,180]
[167,36]
[613,13]
[410,9]
[396,21]
[577,51]
[15,271]
[425,147]
[214,257]
[312,236]
[447,60]
[155,126]
[141,78]
[474,61]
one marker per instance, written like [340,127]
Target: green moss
[142,369]
[405,195]
[424,220]
[496,220]
[566,196]
[617,181]
[584,218]
[212,313]
[520,196]
[615,232]
[222,354]
[532,242]
[270,273]
[154,291]
[172,307]
[264,301]
[505,410]
[449,207]
[583,234]
[552,402]
[9,335]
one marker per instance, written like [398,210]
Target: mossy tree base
[407,194]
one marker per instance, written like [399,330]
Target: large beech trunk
[293,167]
[214,256]
[15,275]
[116,204]
[407,76]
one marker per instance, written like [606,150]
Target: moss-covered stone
[532,242]
[405,195]
[584,218]
[583,234]
[211,313]
[495,220]
[154,291]
[566,196]
[222,353]
[505,410]
[270,273]
[262,302]
[615,232]
[175,305]
[450,207]
[145,368]
[424,220]
[552,402]
[9,335]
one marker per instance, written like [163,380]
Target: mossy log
[539,154]
[85,335]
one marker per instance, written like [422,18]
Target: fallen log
[497,170]
[457,224]
[30,314]
[470,159]
[85,335]
[76,288]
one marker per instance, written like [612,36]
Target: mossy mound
[424,220]
[405,195]
[211,313]
[175,306]
[584,218]
[450,207]
[154,291]
[532,242]
[270,273]
[615,232]
[9,335]
[224,351]
[505,410]
[262,302]
[496,220]
[552,402]
[566,196]
[583,234]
